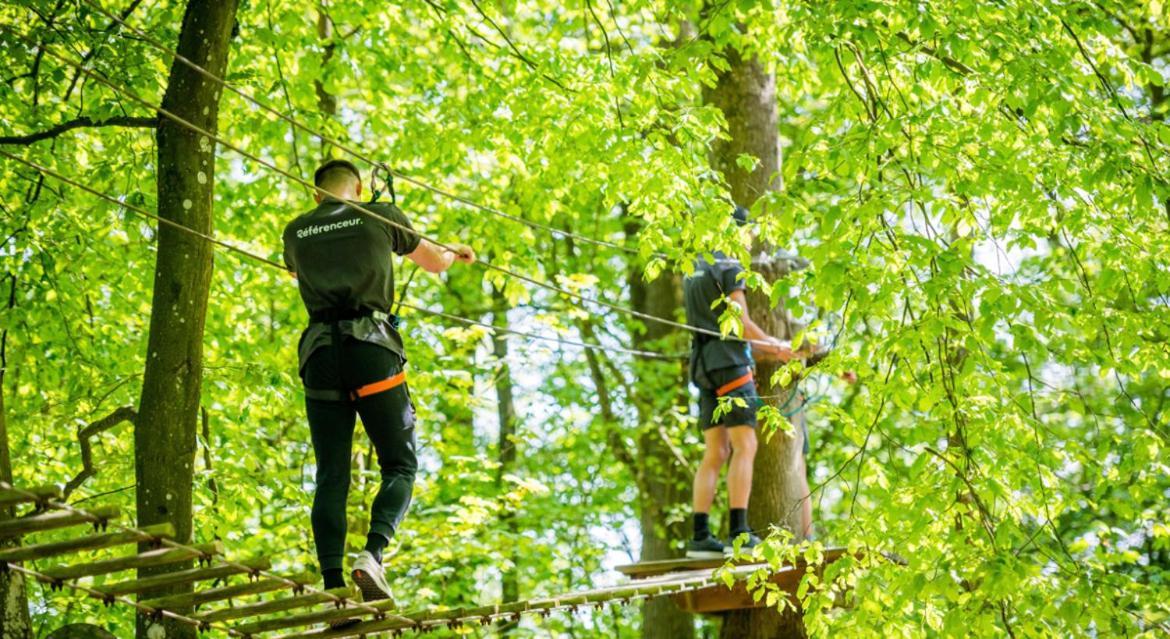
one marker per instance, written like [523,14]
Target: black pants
[388,418]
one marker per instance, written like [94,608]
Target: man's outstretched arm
[433,258]
[772,348]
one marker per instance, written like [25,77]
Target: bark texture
[14,618]
[164,436]
[746,94]
[506,452]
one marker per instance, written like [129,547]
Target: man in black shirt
[722,368]
[351,360]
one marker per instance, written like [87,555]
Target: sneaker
[707,548]
[749,541]
[370,578]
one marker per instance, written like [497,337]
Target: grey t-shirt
[711,282]
[342,260]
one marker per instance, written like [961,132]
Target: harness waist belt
[378,387]
[373,388]
[342,314]
[746,378]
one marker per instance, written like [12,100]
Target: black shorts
[739,387]
[737,383]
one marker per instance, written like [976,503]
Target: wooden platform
[719,598]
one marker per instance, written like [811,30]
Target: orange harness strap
[378,387]
[733,384]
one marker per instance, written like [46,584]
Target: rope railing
[366,211]
[263,260]
[175,55]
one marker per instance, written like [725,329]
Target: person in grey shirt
[352,360]
[722,368]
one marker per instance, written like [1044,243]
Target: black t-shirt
[711,282]
[342,260]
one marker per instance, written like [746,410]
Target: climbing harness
[334,317]
[387,182]
[738,382]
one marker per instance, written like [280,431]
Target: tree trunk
[14,618]
[746,94]
[506,449]
[665,482]
[164,436]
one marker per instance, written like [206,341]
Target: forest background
[981,191]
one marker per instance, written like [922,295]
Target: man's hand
[774,349]
[463,253]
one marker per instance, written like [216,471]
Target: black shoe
[747,541]
[706,548]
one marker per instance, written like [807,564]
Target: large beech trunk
[506,453]
[164,436]
[746,94]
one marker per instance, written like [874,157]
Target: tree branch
[82,122]
[123,414]
[954,64]
[110,29]
[516,51]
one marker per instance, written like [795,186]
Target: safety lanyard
[387,181]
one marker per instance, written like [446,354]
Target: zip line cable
[175,55]
[263,260]
[365,211]
[140,211]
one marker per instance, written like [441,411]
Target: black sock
[739,521]
[375,543]
[702,529]
[333,578]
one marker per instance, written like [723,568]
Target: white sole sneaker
[370,578]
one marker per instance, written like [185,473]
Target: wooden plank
[275,605]
[325,615]
[55,520]
[160,557]
[12,496]
[190,600]
[716,599]
[662,566]
[720,598]
[646,569]
[409,620]
[90,542]
[191,575]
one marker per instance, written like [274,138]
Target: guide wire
[175,55]
[263,260]
[368,213]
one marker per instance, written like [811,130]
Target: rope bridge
[244,613]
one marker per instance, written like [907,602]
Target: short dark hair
[332,166]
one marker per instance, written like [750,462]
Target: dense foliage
[982,188]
